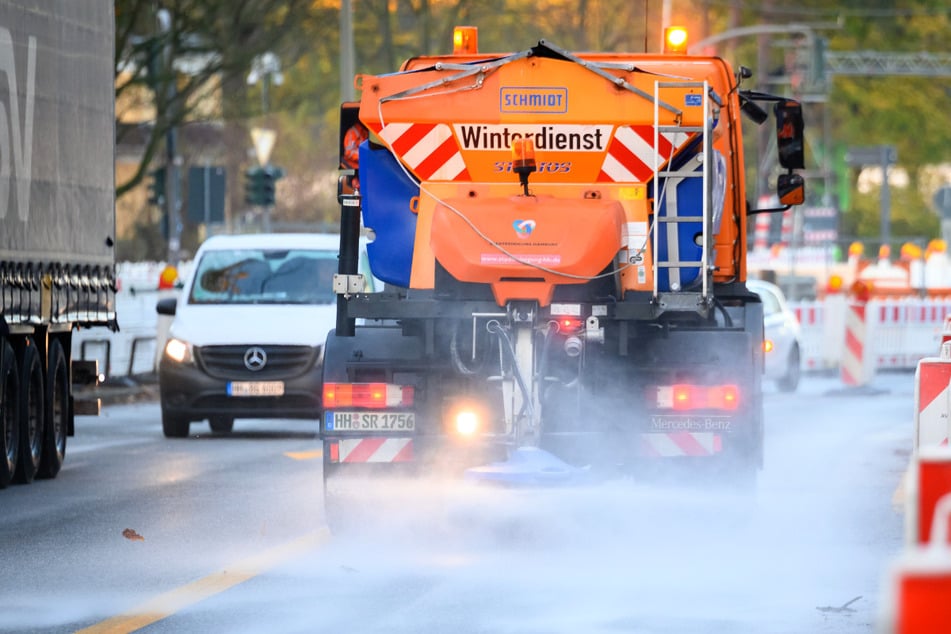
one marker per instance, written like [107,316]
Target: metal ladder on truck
[665,186]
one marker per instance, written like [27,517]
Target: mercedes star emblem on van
[255,358]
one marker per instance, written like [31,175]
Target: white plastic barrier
[899,331]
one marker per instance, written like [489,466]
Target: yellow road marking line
[305,455]
[171,602]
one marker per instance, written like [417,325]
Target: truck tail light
[685,397]
[371,395]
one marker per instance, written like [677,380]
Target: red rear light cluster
[371,395]
[684,396]
[569,324]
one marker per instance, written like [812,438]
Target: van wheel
[221,424]
[32,413]
[790,381]
[174,426]
[9,413]
[57,412]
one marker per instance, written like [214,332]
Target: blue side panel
[386,192]
[683,240]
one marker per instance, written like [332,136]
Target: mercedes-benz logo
[255,358]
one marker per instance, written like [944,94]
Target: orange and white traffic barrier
[932,400]
[902,329]
[918,596]
[856,368]
[945,332]
[929,483]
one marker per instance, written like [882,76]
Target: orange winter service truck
[562,238]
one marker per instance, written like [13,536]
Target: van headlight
[178,350]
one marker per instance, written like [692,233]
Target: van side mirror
[789,134]
[791,189]
[166,306]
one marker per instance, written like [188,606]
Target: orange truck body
[593,139]
[562,239]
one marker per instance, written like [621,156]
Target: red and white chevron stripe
[630,156]
[931,402]
[855,369]
[429,149]
[682,443]
[375,450]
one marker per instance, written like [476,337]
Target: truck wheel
[9,414]
[57,412]
[221,424]
[32,413]
[790,381]
[174,426]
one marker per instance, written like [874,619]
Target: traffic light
[157,187]
[267,187]
[260,184]
[254,186]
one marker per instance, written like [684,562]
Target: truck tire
[174,426]
[221,424]
[32,413]
[9,414]
[57,412]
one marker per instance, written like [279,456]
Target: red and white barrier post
[929,483]
[918,596]
[856,368]
[933,400]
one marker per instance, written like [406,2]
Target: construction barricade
[928,484]
[856,368]
[933,400]
[918,585]
[918,588]
[898,332]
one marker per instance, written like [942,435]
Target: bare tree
[202,44]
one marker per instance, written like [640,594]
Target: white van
[247,336]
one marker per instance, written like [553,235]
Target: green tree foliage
[202,44]
[907,112]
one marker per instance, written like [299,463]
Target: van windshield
[264,276]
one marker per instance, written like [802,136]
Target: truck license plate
[370,421]
[256,388]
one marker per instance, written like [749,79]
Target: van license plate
[256,388]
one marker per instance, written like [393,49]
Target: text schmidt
[568,138]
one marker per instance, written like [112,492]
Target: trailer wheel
[221,424]
[32,413]
[174,426]
[57,412]
[9,414]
